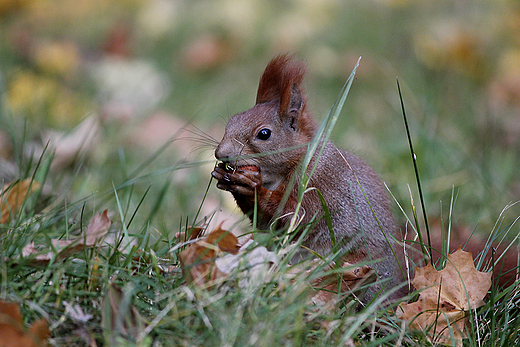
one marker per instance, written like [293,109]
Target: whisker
[198,140]
[201,133]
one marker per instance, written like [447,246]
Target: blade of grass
[138,205]
[327,219]
[417,178]
[160,198]
[126,236]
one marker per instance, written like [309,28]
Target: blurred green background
[138,71]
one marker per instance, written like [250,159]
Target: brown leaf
[197,263]
[227,242]
[194,233]
[12,197]
[253,262]
[40,330]
[198,259]
[13,333]
[445,297]
[97,229]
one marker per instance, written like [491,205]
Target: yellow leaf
[12,197]
[445,297]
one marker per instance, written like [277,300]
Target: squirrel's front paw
[238,181]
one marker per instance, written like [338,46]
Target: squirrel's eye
[264,134]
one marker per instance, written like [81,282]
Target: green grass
[156,308]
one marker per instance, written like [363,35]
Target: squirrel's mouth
[232,168]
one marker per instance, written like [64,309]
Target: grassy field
[118,105]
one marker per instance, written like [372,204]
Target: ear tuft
[281,81]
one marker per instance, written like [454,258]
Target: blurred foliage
[126,61]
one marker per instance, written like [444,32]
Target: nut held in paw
[248,168]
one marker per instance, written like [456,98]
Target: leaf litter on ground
[212,258]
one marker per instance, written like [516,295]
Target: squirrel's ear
[281,81]
[291,100]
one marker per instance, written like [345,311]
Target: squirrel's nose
[220,153]
[226,149]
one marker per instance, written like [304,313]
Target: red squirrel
[260,154]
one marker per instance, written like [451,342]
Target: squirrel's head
[271,135]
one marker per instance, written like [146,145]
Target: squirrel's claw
[242,182]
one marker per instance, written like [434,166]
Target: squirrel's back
[359,210]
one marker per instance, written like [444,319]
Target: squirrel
[260,156]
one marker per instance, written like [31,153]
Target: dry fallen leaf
[226,241]
[216,255]
[12,197]
[198,265]
[198,258]
[191,234]
[97,229]
[445,297]
[253,262]
[13,332]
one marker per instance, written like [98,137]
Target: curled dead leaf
[191,233]
[226,241]
[445,298]
[12,197]
[197,260]
[96,230]
[197,264]
[213,258]
[252,261]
